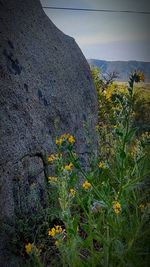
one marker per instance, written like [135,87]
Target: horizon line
[118,60]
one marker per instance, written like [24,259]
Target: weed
[102,215]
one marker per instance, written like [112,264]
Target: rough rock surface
[46,90]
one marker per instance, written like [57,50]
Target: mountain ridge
[123,68]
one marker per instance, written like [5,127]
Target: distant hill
[124,68]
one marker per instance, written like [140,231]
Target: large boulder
[46,90]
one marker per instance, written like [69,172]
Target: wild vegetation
[97,217]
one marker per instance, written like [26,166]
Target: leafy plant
[102,213]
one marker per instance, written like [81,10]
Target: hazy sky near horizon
[109,36]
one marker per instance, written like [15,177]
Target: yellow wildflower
[115,126]
[53,157]
[55,230]
[71,139]
[117,207]
[58,229]
[28,248]
[52,232]
[102,165]
[108,96]
[86,185]
[59,141]
[52,179]
[72,192]
[65,137]
[141,206]
[68,167]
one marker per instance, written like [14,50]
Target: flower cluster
[117,207]
[53,157]
[86,185]
[52,179]
[72,192]
[65,137]
[55,230]
[108,95]
[28,248]
[102,165]
[68,167]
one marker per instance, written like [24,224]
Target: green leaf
[130,134]
[122,154]
[75,223]
[71,231]
[119,247]
[119,132]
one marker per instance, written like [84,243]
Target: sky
[106,36]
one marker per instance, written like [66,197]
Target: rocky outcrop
[46,90]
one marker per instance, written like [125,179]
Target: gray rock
[46,90]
